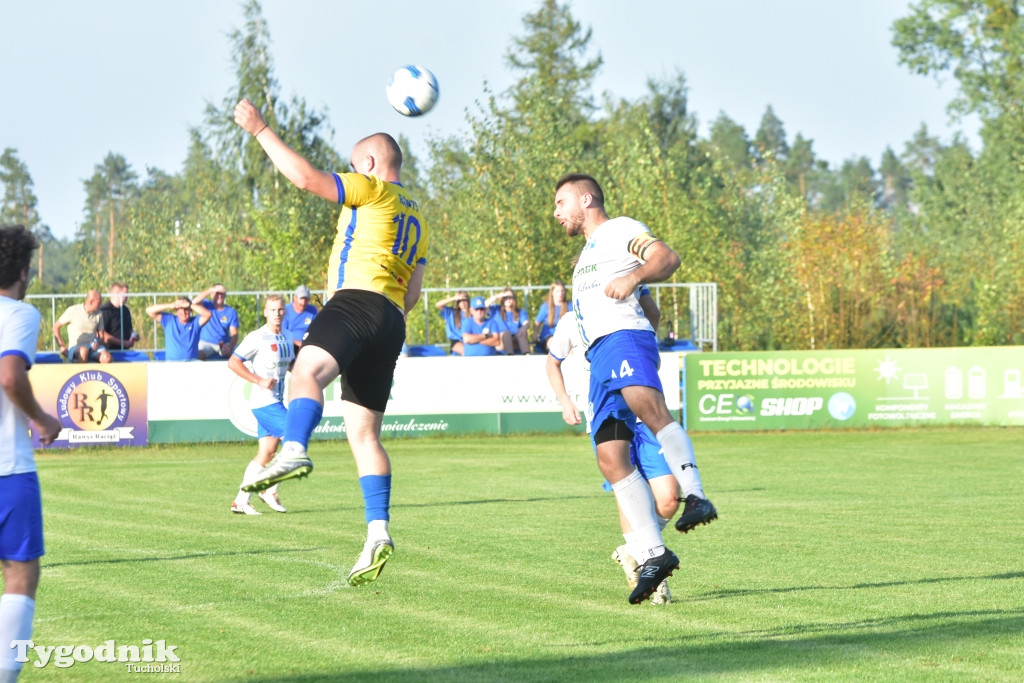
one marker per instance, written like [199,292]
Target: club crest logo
[92,401]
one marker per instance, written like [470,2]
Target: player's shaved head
[382,147]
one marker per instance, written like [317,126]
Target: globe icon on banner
[745,404]
[842,406]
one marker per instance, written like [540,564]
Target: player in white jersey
[620,255]
[567,371]
[269,355]
[21,509]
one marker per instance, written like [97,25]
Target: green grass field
[889,555]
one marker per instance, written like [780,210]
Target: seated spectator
[478,335]
[83,321]
[512,324]
[116,330]
[297,316]
[549,313]
[181,330]
[218,338]
[453,317]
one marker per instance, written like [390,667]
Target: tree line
[923,250]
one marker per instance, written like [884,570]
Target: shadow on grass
[740,592]
[172,558]
[904,643]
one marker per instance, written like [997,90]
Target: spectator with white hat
[297,316]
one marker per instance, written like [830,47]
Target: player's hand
[249,118]
[620,287]
[268,383]
[570,415]
[48,428]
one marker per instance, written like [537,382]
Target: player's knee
[613,429]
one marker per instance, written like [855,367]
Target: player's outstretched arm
[290,163]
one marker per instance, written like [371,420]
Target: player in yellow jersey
[376,268]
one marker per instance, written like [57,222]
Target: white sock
[678,451]
[377,530]
[636,501]
[16,612]
[251,470]
[272,490]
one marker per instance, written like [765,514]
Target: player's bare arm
[412,294]
[290,163]
[554,372]
[14,379]
[239,368]
[660,261]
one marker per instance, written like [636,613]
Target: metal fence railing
[688,311]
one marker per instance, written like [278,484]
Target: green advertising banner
[847,389]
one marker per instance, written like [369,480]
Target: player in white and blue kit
[264,358]
[621,255]
[21,508]
[566,366]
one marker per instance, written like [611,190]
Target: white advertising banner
[190,394]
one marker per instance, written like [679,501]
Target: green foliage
[923,250]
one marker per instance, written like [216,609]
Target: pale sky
[81,79]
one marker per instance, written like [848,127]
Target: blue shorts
[270,420]
[21,517]
[627,358]
[645,453]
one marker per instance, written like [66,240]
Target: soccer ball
[412,91]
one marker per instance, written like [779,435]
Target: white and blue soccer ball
[412,91]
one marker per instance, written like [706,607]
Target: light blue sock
[303,416]
[376,496]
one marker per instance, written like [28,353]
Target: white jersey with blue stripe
[19,334]
[608,254]
[269,354]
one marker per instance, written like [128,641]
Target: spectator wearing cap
[479,334]
[297,316]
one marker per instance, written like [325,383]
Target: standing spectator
[553,308]
[297,316]
[479,337]
[116,330]
[218,338]
[263,358]
[21,507]
[453,317]
[181,330]
[512,325]
[83,321]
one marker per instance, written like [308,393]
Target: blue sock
[303,416]
[376,496]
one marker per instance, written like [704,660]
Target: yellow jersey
[381,237]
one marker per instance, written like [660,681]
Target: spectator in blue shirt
[218,338]
[297,316]
[512,324]
[479,337]
[549,313]
[453,317]
[181,330]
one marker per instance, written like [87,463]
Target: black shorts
[364,332]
